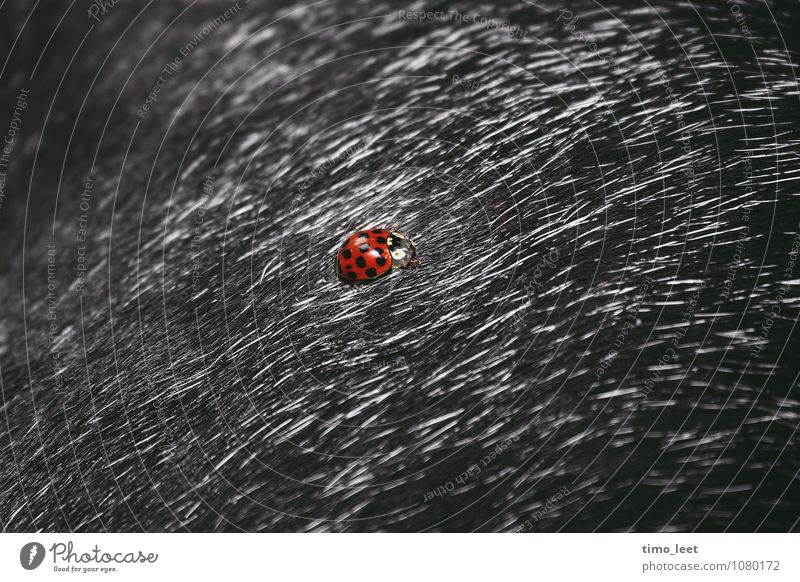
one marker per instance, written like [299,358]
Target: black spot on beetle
[364,247]
[381,261]
[363,235]
[347,254]
[371,272]
[361,262]
[381,240]
[351,274]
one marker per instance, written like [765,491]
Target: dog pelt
[600,335]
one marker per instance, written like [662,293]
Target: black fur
[601,335]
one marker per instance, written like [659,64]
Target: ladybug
[371,254]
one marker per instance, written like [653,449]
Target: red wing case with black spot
[365,256]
